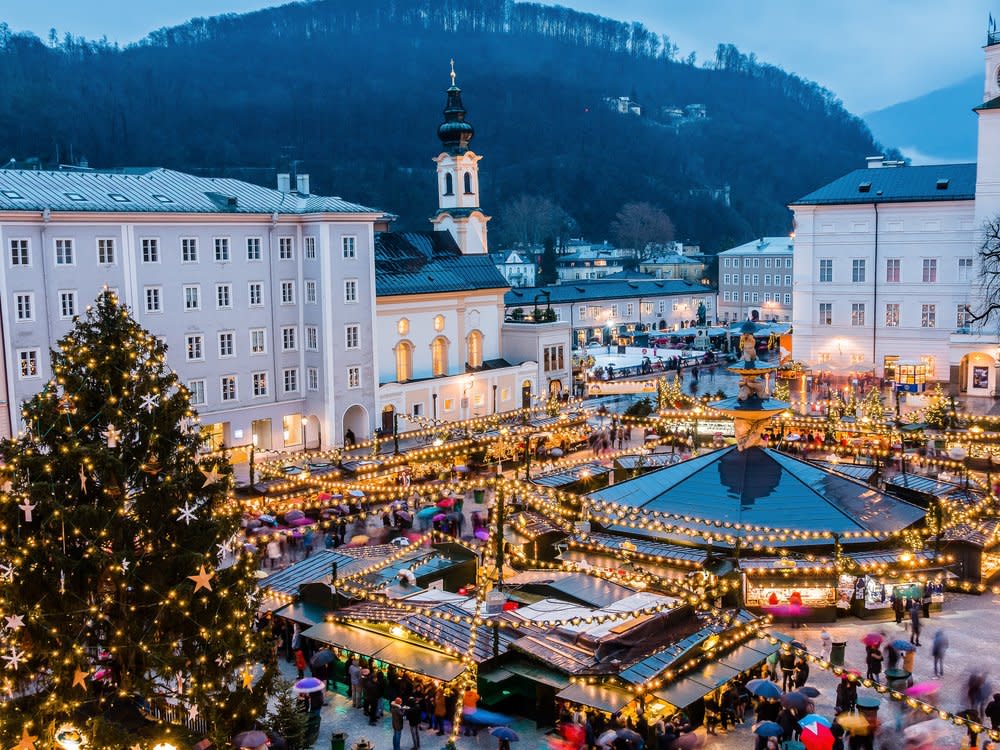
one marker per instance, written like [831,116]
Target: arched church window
[449,188]
[468,183]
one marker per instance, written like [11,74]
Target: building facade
[673,266]
[602,310]
[755,280]
[263,297]
[517,266]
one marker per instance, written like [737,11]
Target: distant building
[623,105]
[586,261]
[517,266]
[755,280]
[673,266]
[596,310]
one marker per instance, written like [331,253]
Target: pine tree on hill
[111,531]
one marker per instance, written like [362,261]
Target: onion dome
[455,133]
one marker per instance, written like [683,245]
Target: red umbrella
[874,640]
[816,737]
[446,502]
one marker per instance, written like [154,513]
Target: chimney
[875,162]
[284,182]
[302,184]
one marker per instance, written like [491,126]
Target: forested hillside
[354,90]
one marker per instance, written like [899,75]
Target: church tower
[458,178]
[988,149]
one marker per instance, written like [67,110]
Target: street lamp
[610,323]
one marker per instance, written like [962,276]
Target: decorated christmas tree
[871,406]
[113,530]
[938,413]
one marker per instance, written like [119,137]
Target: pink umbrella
[447,502]
[923,688]
[482,534]
[874,640]
[439,517]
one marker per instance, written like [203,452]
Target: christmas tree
[112,533]
[287,719]
[871,406]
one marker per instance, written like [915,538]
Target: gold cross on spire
[453,71]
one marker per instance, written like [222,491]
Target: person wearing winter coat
[939,645]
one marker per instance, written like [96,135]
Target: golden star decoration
[27,741]
[201,581]
[211,476]
[80,679]
[247,679]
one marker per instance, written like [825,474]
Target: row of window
[439,356]
[194,343]
[646,308]
[893,270]
[756,297]
[754,262]
[64,250]
[928,315]
[153,297]
[735,279]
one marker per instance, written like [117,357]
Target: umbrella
[764,688]
[794,700]
[356,493]
[308,685]
[768,729]
[358,540]
[556,452]
[322,658]
[428,512]
[853,723]
[923,688]
[250,739]
[439,516]
[447,502]
[404,516]
[816,737]
[900,645]
[486,718]
[815,719]
[809,691]
[631,737]
[505,733]
[482,534]
[606,738]
[293,515]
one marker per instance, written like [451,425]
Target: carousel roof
[758,487]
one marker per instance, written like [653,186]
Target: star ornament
[149,402]
[83,480]
[80,679]
[192,713]
[187,514]
[14,658]
[211,477]
[247,679]
[201,581]
[14,622]
[27,741]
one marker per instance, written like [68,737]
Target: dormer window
[942,184]
[864,187]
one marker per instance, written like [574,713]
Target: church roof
[153,191]
[762,487]
[932,182]
[430,262]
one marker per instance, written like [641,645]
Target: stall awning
[684,692]
[744,658]
[304,614]
[538,673]
[399,653]
[601,697]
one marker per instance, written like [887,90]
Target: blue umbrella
[815,719]
[900,645]
[308,685]
[764,689]
[768,729]
[505,733]
[428,513]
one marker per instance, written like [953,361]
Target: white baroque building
[292,318]
[886,265]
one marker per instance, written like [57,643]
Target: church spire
[455,133]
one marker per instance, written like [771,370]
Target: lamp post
[395,432]
[434,406]
[494,398]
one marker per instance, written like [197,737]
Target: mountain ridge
[354,90]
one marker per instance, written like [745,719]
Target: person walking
[786,661]
[413,719]
[440,711]
[354,679]
[874,663]
[300,663]
[992,711]
[897,608]
[939,645]
[396,715]
[915,623]
[827,645]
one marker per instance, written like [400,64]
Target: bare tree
[989,274]
[636,225]
[532,219]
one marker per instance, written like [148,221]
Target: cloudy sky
[871,53]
